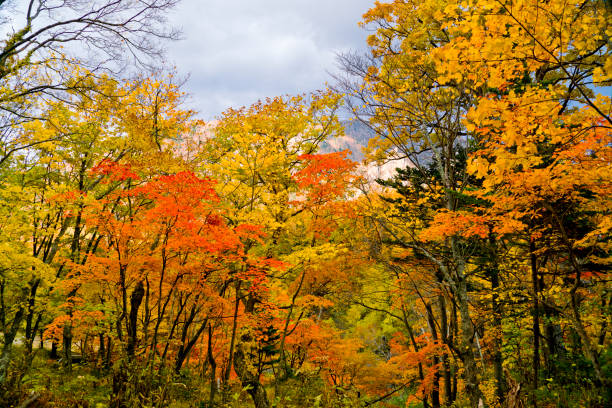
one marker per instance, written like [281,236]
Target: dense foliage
[149,260]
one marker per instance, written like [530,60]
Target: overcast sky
[239,51]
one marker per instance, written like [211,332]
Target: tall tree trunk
[244,356]
[283,360]
[435,393]
[213,369]
[472,382]
[228,369]
[101,349]
[185,348]
[109,348]
[536,321]
[500,389]
[67,343]
[120,376]
[454,330]
[31,324]
[444,334]
[415,345]
[9,338]
[135,302]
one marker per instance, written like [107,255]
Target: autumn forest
[151,259]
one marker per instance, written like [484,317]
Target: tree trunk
[101,349]
[213,370]
[415,345]
[226,375]
[109,348]
[444,334]
[435,393]
[31,324]
[500,389]
[67,349]
[53,353]
[9,338]
[185,348]
[244,356]
[472,388]
[536,322]
[135,301]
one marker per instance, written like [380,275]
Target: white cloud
[238,51]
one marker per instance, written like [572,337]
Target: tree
[56,47]
[399,94]
[55,184]
[537,116]
[269,175]
[511,86]
[164,255]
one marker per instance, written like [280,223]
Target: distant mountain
[358,131]
[356,137]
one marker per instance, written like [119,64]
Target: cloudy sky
[239,51]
